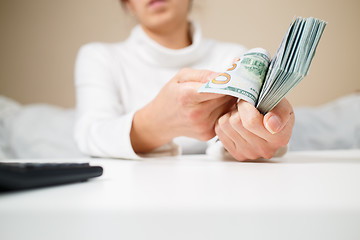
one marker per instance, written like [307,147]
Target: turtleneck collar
[157,55]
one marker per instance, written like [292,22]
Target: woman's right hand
[179,110]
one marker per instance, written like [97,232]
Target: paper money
[262,84]
[244,78]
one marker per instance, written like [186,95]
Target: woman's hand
[247,135]
[179,110]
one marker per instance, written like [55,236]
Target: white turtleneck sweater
[113,81]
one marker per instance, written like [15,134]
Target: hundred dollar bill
[263,83]
[244,78]
[291,62]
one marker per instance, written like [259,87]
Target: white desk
[308,195]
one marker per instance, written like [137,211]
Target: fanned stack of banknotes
[263,83]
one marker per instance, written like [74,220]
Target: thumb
[276,119]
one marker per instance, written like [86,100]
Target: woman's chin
[162,23]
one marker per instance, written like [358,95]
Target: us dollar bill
[264,83]
[244,78]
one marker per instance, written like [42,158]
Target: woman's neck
[175,37]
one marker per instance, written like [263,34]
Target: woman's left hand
[248,135]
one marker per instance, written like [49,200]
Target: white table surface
[304,195]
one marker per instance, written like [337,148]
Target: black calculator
[18,175]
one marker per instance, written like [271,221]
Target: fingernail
[273,124]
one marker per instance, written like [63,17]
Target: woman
[139,97]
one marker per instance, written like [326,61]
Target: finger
[275,120]
[233,141]
[218,111]
[224,136]
[195,75]
[189,94]
[252,120]
[237,145]
[204,97]
[282,137]
[256,146]
[220,105]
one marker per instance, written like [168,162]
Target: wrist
[147,131]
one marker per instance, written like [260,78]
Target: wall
[40,39]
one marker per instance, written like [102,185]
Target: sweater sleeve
[102,127]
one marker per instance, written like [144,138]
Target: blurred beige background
[40,39]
